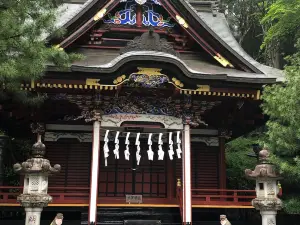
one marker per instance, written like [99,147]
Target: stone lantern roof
[264,169]
[37,163]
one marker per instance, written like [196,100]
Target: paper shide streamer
[150,151]
[126,152]
[138,149]
[178,150]
[116,151]
[171,151]
[160,152]
[105,147]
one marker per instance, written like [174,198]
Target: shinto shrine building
[139,125]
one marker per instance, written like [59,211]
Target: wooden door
[122,177]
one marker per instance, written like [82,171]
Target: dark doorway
[122,177]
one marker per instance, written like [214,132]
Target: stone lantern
[35,193]
[267,188]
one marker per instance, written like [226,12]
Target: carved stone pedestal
[268,217]
[33,216]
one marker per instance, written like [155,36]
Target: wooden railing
[223,196]
[80,195]
[61,195]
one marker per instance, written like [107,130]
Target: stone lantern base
[34,204]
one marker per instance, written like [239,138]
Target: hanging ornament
[178,150]
[105,147]
[126,152]
[141,2]
[116,151]
[138,149]
[171,151]
[161,153]
[150,152]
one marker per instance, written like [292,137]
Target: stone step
[116,216]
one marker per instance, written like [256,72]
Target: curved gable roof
[215,24]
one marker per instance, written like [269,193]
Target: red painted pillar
[186,174]
[139,16]
[94,173]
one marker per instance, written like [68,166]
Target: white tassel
[161,153]
[137,143]
[178,150]
[150,151]
[171,151]
[126,152]
[105,147]
[116,151]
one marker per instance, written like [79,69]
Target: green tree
[244,19]
[281,104]
[282,29]
[24,54]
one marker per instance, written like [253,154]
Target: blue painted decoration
[150,17]
[125,16]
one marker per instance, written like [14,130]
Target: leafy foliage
[282,21]
[281,103]
[237,161]
[24,24]
[244,19]
[16,150]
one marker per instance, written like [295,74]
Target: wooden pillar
[139,16]
[186,174]
[94,173]
[222,163]
[170,180]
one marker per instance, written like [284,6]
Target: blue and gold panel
[151,15]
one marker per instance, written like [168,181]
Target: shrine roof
[219,26]
[70,11]
[191,65]
[213,21]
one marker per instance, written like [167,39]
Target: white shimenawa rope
[150,152]
[171,151]
[116,151]
[126,152]
[105,147]
[178,150]
[160,152]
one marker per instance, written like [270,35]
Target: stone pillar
[268,217]
[36,170]
[267,190]
[94,169]
[33,216]
[3,140]
[186,174]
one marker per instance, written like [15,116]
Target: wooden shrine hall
[141,122]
